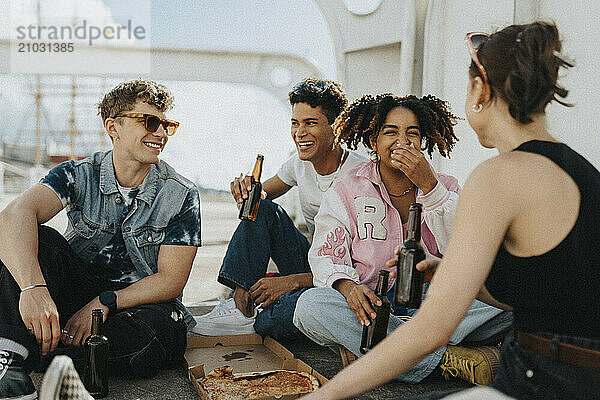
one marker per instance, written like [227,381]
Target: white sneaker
[224,319]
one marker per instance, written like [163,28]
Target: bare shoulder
[38,200]
[494,175]
[514,171]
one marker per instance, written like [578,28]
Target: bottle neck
[96,324]
[257,171]
[413,229]
[382,284]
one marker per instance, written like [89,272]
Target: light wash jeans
[323,315]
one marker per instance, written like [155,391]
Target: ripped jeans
[143,339]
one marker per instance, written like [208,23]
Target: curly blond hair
[124,96]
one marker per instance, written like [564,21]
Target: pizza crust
[222,383]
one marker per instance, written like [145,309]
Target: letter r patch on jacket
[370,211]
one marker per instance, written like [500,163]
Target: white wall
[446,61]
[445,71]
[578,22]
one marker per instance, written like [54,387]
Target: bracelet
[33,286]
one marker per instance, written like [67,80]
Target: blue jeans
[273,235]
[323,314]
[551,379]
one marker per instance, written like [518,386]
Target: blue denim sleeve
[61,179]
[184,228]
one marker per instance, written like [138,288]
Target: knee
[272,213]
[143,341]
[48,232]
[310,306]
[266,209]
[267,212]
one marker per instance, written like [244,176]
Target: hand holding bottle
[79,326]
[360,298]
[240,187]
[376,331]
[428,265]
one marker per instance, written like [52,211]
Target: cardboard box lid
[245,354]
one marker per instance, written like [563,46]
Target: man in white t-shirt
[315,105]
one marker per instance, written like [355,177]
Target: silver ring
[65,332]
[71,337]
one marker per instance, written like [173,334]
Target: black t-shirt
[557,291]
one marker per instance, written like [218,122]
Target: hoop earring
[477,107]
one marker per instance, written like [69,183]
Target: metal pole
[38,132]
[73,131]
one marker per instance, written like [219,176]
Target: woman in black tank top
[524,238]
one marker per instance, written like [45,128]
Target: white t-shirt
[295,172]
[128,193]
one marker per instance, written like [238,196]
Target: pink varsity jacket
[357,227]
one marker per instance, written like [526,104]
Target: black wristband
[109,299]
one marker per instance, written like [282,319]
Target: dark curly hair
[522,63]
[125,95]
[320,92]
[363,119]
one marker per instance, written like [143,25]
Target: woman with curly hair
[363,218]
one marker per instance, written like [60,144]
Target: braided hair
[362,120]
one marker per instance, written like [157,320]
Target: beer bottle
[249,207]
[96,358]
[376,331]
[409,281]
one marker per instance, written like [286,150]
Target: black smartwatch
[109,299]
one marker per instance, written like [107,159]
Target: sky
[223,126]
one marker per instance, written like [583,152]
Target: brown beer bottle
[376,331]
[95,377]
[409,281]
[249,207]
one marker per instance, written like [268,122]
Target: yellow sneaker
[477,365]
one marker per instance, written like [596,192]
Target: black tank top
[558,291]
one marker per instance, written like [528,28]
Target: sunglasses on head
[474,40]
[152,122]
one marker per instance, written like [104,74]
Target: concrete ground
[219,220]
[174,384]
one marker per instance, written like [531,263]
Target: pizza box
[245,354]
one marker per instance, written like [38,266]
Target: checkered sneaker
[61,382]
